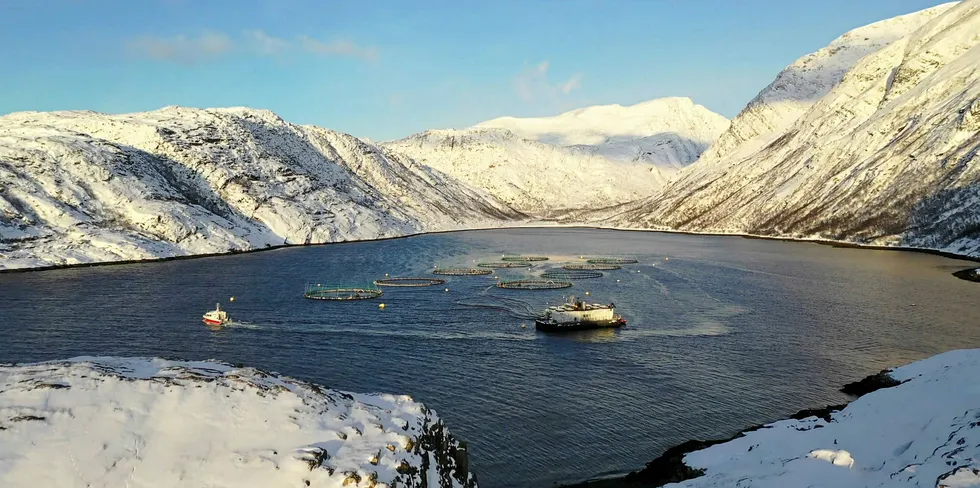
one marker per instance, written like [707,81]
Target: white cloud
[181,49]
[338,48]
[532,83]
[264,44]
[185,49]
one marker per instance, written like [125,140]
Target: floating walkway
[524,258]
[534,284]
[571,274]
[409,282]
[340,293]
[592,267]
[505,264]
[611,261]
[461,272]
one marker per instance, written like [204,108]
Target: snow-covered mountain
[803,83]
[587,158]
[83,187]
[110,422]
[924,432]
[888,156]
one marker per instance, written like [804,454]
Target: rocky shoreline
[669,467]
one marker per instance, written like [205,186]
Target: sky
[384,69]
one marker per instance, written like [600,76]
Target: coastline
[531,225]
[669,467]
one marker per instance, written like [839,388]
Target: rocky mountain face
[83,186]
[586,158]
[888,156]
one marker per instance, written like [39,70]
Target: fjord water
[723,333]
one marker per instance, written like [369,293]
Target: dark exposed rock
[871,383]
[972,274]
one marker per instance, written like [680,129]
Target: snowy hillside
[924,432]
[807,80]
[82,187]
[113,422]
[668,132]
[587,158]
[889,156]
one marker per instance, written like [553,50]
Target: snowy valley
[584,159]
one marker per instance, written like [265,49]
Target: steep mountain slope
[888,156]
[586,158]
[807,80]
[82,186]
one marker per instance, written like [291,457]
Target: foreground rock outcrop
[111,422]
[917,425]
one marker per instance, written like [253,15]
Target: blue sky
[385,69]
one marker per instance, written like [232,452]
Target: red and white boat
[216,316]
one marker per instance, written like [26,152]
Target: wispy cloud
[181,49]
[189,50]
[532,84]
[264,44]
[338,48]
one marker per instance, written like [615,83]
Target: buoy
[386,275]
[637,271]
[666,259]
[617,281]
[588,293]
[231,299]
[381,305]
[447,289]
[523,326]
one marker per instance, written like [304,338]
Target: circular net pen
[505,264]
[592,267]
[340,293]
[409,282]
[611,261]
[571,275]
[534,284]
[524,259]
[461,272]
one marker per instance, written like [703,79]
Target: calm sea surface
[723,333]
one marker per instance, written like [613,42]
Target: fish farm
[409,282]
[571,275]
[592,267]
[461,272]
[534,284]
[321,292]
[505,264]
[524,258]
[611,261]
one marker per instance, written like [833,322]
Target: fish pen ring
[524,258]
[505,264]
[461,272]
[571,274]
[611,261]
[534,284]
[409,282]
[592,267]
[340,293]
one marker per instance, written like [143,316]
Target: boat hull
[548,326]
[213,322]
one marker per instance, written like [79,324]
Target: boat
[578,315]
[216,316]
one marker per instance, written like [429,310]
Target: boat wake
[515,308]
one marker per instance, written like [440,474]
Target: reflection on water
[722,333]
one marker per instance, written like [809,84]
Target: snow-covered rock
[924,432]
[112,422]
[587,158]
[81,187]
[889,156]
